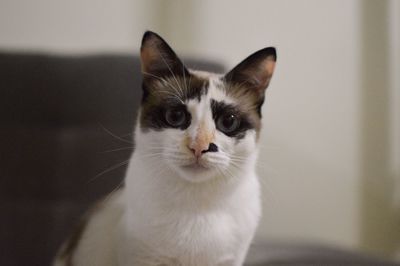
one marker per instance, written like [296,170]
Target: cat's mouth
[196,170]
[196,166]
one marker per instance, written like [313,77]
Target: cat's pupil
[228,123]
[175,117]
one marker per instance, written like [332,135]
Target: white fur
[170,215]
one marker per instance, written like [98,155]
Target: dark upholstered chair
[65,125]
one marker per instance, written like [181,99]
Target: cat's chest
[194,229]
[208,239]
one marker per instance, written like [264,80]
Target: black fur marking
[222,108]
[155,116]
[145,93]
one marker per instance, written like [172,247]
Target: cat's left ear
[158,59]
[255,71]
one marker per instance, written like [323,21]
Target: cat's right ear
[158,59]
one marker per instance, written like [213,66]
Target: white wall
[312,151]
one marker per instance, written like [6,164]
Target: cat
[191,194]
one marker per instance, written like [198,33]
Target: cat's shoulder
[101,217]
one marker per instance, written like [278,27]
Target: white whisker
[118,149]
[170,70]
[108,170]
[115,136]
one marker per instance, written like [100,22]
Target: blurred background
[330,149]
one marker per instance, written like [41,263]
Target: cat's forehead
[196,86]
[215,89]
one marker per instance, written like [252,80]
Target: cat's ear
[158,59]
[255,71]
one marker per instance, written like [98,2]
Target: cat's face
[201,125]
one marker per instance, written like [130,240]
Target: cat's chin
[195,173]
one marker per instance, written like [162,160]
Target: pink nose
[198,150]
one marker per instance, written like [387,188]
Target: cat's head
[201,125]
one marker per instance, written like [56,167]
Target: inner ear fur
[254,72]
[158,59]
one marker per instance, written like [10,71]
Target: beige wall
[73,25]
[329,159]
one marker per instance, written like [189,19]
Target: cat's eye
[176,117]
[228,123]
